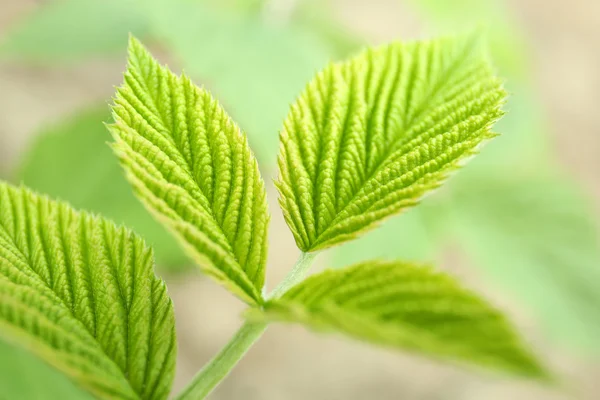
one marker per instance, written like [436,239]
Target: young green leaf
[81,294]
[407,307]
[192,167]
[369,137]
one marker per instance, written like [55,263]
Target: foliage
[192,167]
[548,285]
[280,57]
[405,306]
[280,60]
[369,137]
[81,294]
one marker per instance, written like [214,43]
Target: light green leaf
[406,307]
[369,137]
[192,167]
[69,30]
[81,294]
[537,237]
[71,161]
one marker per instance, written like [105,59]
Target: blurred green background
[519,223]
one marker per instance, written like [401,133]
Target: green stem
[219,367]
[296,275]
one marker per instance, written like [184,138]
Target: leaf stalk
[217,369]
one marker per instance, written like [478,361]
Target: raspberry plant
[366,140]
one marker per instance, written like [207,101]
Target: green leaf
[71,161]
[192,167]
[69,30]
[537,237]
[407,307]
[369,137]
[81,294]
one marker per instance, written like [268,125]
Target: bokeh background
[519,224]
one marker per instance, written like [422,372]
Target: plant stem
[219,367]
[296,274]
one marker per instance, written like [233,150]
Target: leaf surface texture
[191,166]
[369,137]
[407,307]
[81,294]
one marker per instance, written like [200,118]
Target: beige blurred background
[289,362]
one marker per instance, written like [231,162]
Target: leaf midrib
[188,170]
